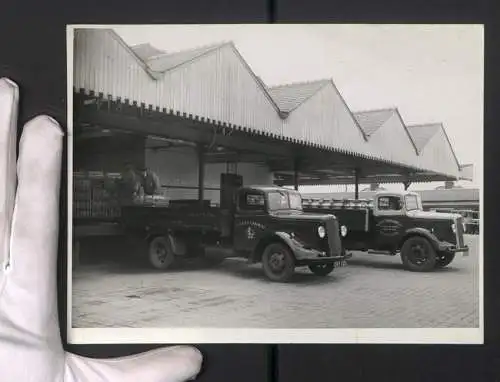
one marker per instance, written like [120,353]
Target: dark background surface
[33,54]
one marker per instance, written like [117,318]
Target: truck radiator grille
[332,229]
[460,232]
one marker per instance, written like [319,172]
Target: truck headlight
[454,228]
[321,231]
[343,231]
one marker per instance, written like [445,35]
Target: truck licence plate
[341,263]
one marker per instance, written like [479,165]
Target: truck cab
[425,239]
[270,226]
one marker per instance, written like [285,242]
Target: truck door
[388,221]
[249,216]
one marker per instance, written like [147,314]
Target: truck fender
[178,245]
[283,237]
[418,231]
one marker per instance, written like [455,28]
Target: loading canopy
[292,162]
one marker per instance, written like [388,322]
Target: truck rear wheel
[418,254]
[444,259]
[322,269]
[160,254]
[278,262]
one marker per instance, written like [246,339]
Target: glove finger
[9,96]
[31,281]
[171,364]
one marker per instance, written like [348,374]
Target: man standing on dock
[150,182]
[129,184]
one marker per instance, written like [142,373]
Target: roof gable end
[289,97]
[371,120]
[422,134]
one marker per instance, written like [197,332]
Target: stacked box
[91,199]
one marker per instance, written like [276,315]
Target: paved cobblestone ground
[373,291]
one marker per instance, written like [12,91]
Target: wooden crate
[90,197]
[93,198]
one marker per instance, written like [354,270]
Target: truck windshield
[282,200]
[295,201]
[412,203]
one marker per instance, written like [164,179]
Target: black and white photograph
[275,183]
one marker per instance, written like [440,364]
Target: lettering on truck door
[250,213]
[388,218]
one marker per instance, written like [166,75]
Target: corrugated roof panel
[370,121]
[289,97]
[145,51]
[436,152]
[386,129]
[326,120]
[421,134]
[105,64]
[169,61]
[217,86]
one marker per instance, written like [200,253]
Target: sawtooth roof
[310,124]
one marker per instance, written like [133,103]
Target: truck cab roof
[395,193]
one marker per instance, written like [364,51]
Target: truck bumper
[464,250]
[452,248]
[311,257]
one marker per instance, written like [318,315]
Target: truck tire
[418,254]
[160,254]
[278,262]
[322,269]
[444,259]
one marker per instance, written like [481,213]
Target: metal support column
[356,184]
[201,173]
[296,164]
[406,185]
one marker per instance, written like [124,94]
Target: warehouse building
[194,115]
[162,108]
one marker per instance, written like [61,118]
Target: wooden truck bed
[185,217]
[96,212]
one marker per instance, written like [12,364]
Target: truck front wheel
[418,254]
[444,259]
[278,262]
[160,254]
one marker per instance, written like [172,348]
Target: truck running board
[375,252]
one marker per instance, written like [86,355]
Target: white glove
[30,343]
